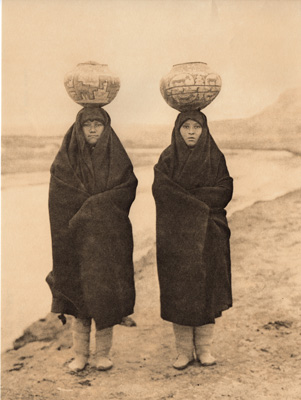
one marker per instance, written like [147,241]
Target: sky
[254,45]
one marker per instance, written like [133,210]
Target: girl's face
[92,131]
[191,131]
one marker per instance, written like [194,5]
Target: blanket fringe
[62,318]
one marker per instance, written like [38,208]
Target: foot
[78,364]
[206,359]
[182,362]
[103,364]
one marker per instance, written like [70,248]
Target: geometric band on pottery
[92,83]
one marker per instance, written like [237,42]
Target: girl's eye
[197,126]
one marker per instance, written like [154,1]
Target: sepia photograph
[151,200]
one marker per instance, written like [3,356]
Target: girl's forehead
[93,120]
[191,121]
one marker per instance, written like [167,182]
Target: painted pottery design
[91,83]
[190,86]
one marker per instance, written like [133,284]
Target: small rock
[85,383]
[278,325]
[17,367]
[64,390]
[128,321]
[24,357]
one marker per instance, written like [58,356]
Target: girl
[192,187]
[92,188]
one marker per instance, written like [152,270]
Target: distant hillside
[278,126]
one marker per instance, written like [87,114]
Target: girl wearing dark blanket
[192,187]
[92,188]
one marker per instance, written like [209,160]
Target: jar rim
[92,63]
[190,62]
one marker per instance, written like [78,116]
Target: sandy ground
[257,342]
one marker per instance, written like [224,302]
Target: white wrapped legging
[193,338]
[81,338]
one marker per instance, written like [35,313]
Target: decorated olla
[190,86]
[91,83]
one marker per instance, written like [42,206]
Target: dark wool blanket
[90,195]
[191,189]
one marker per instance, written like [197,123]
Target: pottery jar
[91,83]
[190,86]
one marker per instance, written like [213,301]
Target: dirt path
[257,343]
